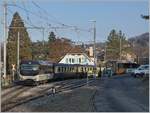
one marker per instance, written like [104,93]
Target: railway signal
[13,71]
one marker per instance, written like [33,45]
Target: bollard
[13,75]
[53,93]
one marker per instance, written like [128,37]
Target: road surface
[122,94]
[106,94]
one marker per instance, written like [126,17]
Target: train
[120,67]
[43,71]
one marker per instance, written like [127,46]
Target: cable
[23,20]
[64,25]
[55,19]
[75,27]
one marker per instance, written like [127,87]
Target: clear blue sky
[119,15]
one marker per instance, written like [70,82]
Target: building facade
[77,58]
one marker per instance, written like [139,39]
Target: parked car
[141,71]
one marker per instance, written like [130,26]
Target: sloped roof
[76,49]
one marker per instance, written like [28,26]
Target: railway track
[12,94]
[42,91]
[10,90]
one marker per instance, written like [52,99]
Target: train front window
[32,67]
[29,69]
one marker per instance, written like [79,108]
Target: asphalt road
[113,94]
[122,94]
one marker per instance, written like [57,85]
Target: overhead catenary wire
[76,29]
[56,20]
[63,25]
[47,14]
[23,20]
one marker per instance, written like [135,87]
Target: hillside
[140,44]
[141,40]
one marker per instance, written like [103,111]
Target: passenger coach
[73,71]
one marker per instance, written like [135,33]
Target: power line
[55,19]
[64,25]
[70,26]
[22,20]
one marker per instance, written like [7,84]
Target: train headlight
[36,78]
[21,77]
[35,68]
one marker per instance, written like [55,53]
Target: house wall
[76,59]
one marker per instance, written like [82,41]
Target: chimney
[91,52]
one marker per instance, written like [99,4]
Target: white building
[77,58]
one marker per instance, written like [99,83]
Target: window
[58,69]
[66,60]
[86,69]
[85,60]
[79,60]
[72,60]
[146,67]
[72,69]
[82,69]
[68,69]
[69,60]
[62,69]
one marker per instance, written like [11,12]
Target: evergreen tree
[113,45]
[25,42]
[52,37]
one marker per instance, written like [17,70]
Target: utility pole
[94,30]
[43,34]
[18,54]
[18,43]
[105,51]
[120,47]
[44,52]
[5,36]
[95,59]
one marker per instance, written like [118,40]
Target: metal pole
[5,36]
[43,35]
[105,52]
[44,55]
[120,48]
[0,62]
[5,39]
[95,60]
[94,46]
[18,48]
[13,75]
